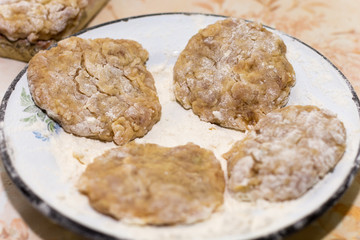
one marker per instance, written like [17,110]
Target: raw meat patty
[232,73]
[96,88]
[286,154]
[150,184]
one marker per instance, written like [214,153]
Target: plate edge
[63,220]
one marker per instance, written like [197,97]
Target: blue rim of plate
[77,227]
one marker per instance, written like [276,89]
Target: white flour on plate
[52,168]
[176,127]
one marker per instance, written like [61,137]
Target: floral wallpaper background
[330,26]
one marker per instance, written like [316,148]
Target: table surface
[330,26]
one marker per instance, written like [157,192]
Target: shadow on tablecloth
[328,226]
[22,221]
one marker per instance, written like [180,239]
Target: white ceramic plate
[41,158]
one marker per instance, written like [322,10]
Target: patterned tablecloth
[330,26]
